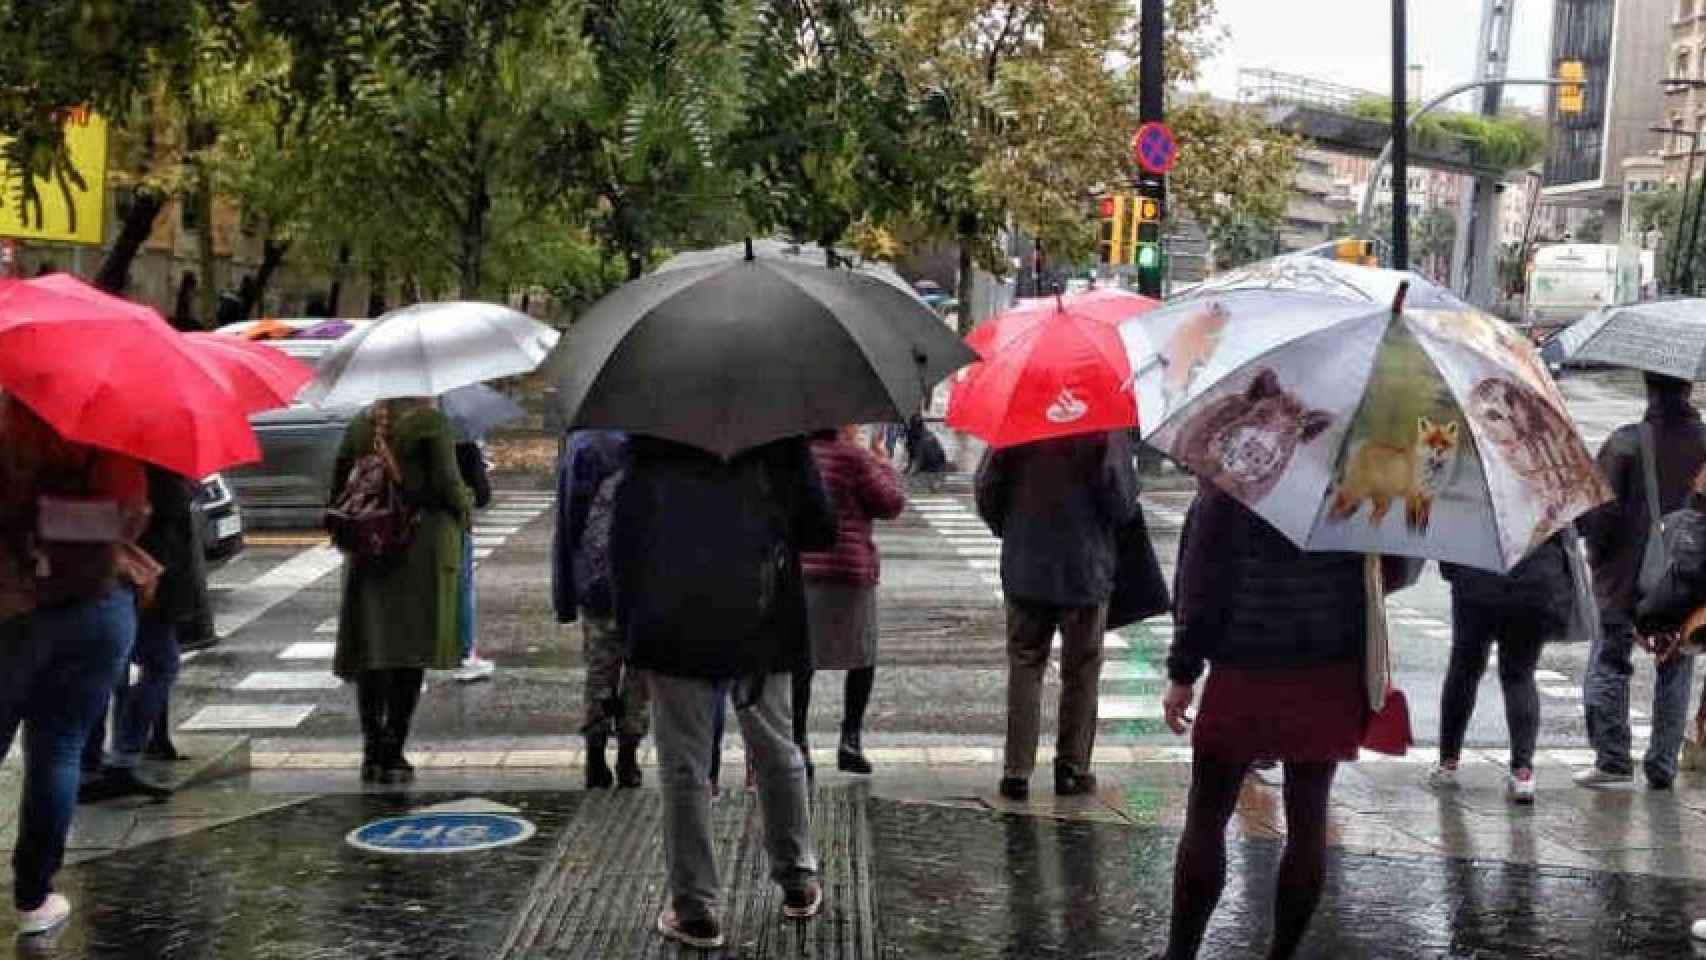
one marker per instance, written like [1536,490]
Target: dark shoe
[701,932]
[802,902]
[598,775]
[1655,783]
[165,751]
[1069,783]
[1015,788]
[397,771]
[117,782]
[628,763]
[371,771]
[851,760]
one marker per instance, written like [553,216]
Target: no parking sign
[437,833]
[1154,148]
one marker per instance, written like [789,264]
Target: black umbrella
[732,348]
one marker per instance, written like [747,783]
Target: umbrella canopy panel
[730,354]
[1666,336]
[1303,273]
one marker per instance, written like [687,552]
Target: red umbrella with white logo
[1055,368]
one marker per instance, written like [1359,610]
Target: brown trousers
[1030,633]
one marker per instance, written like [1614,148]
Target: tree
[1433,236]
[1019,115]
[1592,228]
[1233,169]
[1238,242]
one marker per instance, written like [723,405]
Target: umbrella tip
[1398,301]
[749,255]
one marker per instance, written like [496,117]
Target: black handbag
[1140,589]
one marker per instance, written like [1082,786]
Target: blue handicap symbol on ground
[440,833]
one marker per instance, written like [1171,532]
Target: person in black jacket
[471,464]
[171,540]
[1616,535]
[1519,611]
[1285,632]
[706,561]
[1058,506]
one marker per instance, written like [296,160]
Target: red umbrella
[259,377]
[112,374]
[1051,368]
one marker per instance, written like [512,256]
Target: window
[1681,72]
[1684,9]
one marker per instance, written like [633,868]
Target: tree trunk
[272,255]
[209,267]
[966,283]
[474,241]
[336,292]
[114,274]
[376,291]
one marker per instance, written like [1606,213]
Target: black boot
[598,775]
[160,745]
[371,695]
[405,690]
[628,762]
[850,756]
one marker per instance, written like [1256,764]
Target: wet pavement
[905,879]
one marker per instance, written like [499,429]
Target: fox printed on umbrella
[1383,473]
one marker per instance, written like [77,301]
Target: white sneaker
[1272,774]
[1442,777]
[1520,789]
[474,669]
[1699,930]
[1595,777]
[54,911]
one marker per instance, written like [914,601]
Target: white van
[1567,281]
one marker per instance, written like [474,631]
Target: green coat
[404,614]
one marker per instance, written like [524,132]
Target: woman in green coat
[398,618]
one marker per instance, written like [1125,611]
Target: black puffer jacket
[1538,587]
[706,557]
[1682,589]
[1246,597]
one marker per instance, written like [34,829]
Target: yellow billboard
[69,212]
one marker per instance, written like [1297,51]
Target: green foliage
[1234,169]
[1505,143]
[1240,242]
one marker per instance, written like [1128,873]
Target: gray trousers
[611,682]
[683,711]
[1605,697]
[1030,634]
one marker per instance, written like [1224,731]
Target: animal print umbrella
[1352,425]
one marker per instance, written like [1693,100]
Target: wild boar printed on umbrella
[1354,425]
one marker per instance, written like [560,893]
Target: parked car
[289,487]
[221,519]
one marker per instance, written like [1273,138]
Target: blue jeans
[156,653]
[1605,698]
[465,609]
[57,669]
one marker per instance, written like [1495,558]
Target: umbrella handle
[1398,300]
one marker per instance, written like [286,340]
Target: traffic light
[1115,210]
[1354,250]
[1571,93]
[1147,244]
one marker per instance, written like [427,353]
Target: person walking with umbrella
[399,613]
[841,585]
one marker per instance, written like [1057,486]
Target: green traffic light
[1148,256]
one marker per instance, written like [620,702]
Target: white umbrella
[429,349]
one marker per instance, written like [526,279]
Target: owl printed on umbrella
[1535,440]
[1245,442]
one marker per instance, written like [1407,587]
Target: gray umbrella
[1665,336]
[729,349]
[476,409]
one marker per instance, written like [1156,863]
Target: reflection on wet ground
[963,884]
[942,882]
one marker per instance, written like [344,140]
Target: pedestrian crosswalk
[305,665]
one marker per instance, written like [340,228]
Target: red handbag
[1388,728]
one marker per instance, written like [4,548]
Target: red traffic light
[1106,208]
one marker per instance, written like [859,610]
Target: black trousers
[386,700]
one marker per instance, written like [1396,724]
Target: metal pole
[1400,138]
[1152,108]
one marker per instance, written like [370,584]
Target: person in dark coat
[1285,632]
[1519,611]
[1616,535]
[706,557]
[1058,506]
[471,465]
[171,540]
[841,585]
[615,701]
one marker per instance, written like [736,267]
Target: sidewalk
[920,862]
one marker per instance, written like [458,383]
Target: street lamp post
[1683,240]
[1400,139]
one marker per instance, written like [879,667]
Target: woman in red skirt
[1285,632]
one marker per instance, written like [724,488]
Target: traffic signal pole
[1152,108]
[1400,138]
